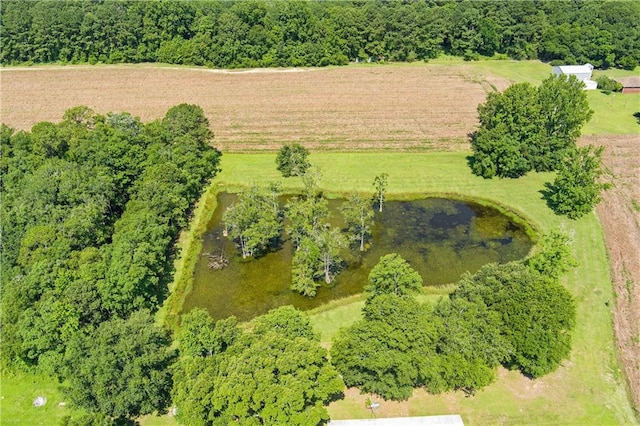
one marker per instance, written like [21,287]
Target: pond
[440,238]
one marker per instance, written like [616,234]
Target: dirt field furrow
[619,214]
[376,108]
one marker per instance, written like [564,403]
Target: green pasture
[588,389]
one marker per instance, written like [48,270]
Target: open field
[395,106]
[382,107]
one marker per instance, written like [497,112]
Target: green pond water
[440,238]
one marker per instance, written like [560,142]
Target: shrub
[608,85]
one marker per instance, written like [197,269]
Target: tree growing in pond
[393,275]
[577,187]
[329,241]
[252,221]
[380,184]
[317,257]
[311,182]
[305,215]
[358,217]
[292,160]
[305,268]
[275,189]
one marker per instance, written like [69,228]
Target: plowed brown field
[619,214]
[377,107]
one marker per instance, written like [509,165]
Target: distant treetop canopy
[258,33]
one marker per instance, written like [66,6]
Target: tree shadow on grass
[547,193]
[637,117]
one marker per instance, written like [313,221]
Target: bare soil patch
[348,108]
[619,214]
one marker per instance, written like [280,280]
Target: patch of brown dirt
[619,214]
[348,108]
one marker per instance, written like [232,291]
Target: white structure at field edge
[582,73]
[445,420]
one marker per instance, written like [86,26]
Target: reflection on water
[440,238]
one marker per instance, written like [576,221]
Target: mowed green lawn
[17,393]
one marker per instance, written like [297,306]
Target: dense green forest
[255,33]
[91,208]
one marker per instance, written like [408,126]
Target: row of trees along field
[91,208]
[266,33]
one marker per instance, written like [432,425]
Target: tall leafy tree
[305,215]
[275,374]
[555,256]
[305,266]
[252,221]
[292,160]
[537,313]
[380,183]
[527,128]
[393,275]
[121,369]
[564,109]
[577,188]
[329,242]
[391,350]
[199,336]
[470,345]
[509,124]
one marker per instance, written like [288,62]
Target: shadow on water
[440,238]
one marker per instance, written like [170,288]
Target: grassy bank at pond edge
[587,389]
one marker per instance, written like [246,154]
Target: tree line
[265,33]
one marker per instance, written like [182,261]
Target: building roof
[633,81]
[446,420]
[576,69]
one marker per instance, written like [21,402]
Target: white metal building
[582,73]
